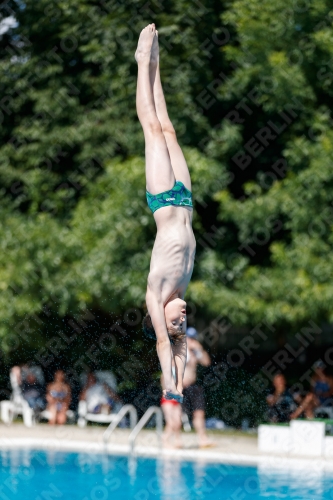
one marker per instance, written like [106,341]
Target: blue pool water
[39,475]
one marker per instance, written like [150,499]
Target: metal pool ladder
[118,418]
[152,410]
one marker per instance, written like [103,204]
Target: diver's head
[175,316]
[175,319]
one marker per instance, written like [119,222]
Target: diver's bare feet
[155,50]
[143,51]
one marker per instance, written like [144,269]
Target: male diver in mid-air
[169,197]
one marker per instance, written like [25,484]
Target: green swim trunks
[179,196]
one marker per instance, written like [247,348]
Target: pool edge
[191,455]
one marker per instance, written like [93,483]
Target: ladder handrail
[120,415]
[143,421]
[186,423]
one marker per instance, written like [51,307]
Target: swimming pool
[41,475]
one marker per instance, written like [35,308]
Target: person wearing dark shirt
[321,394]
[281,404]
[322,385]
[33,392]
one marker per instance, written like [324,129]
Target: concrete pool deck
[232,447]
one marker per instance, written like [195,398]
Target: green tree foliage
[76,231]
[279,205]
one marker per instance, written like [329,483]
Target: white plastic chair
[186,423]
[324,409]
[17,405]
[47,415]
[103,377]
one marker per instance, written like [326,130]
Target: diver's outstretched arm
[156,310]
[179,348]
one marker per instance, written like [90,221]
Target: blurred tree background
[249,89]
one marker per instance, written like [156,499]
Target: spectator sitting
[100,398]
[33,392]
[58,398]
[322,385]
[281,403]
[31,388]
[320,395]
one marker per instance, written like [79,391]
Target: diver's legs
[159,173]
[173,419]
[178,161]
